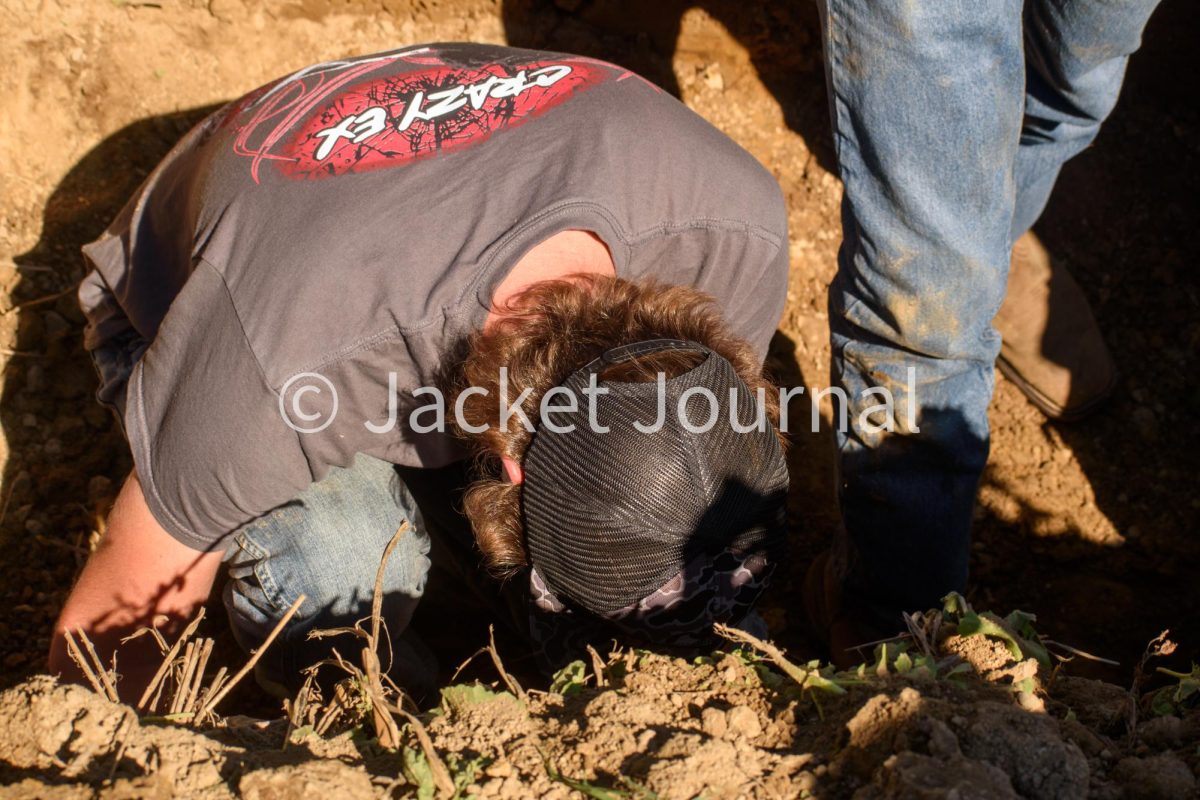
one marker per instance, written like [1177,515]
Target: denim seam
[838,117]
[266,581]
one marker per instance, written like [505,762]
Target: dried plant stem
[212,689]
[110,690]
[297,708]
[185,679]
[168,659]
[385,726]
[766,648]
[331,715]
[191,689]
[1075,651]
[152,708]
[597,667]
[386,729]
[1159,646]
[81,662]
[377,687]
[333,711]
[509,680]
[377,598]
[467,663]
[807,679]
[212,702]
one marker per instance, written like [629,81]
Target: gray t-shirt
[353,220]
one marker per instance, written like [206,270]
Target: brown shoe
[1052,348]
[848,638]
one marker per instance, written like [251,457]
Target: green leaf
[417,772]
[640,654]
[903,663]
[745,656]
[462,695]
[955,605]
[816,680]
[1161,703]
[1022,622]
[1028,637]
[925,662]
[463,771]
[767,676]
[806,679]
[1188,689]
[569,679]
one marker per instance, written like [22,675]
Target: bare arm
[138,572]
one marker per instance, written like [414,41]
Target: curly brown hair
[549,331]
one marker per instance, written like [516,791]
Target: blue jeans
[951,121]
[327,545]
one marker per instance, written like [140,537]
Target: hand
[139,572]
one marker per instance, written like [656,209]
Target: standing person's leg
[1076,52]
[927,101]
[327,544]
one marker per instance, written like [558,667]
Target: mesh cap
[611,517]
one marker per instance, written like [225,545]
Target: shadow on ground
[66,452]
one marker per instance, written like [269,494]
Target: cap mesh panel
[609,517]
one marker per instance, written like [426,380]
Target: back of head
[613,507]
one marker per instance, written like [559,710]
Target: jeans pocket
[256,601]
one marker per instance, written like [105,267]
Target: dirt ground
[642,725]
[1093,526]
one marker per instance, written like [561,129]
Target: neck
[565,253]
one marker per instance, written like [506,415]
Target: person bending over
[276,312]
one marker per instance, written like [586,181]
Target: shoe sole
[1047,406]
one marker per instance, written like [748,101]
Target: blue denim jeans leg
[948,146]
[1075,58]
[327,545]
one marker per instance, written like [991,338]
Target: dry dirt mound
[644,725]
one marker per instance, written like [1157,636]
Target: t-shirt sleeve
[111,339]
[211,450]
[756,304]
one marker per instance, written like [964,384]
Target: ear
[512,468]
